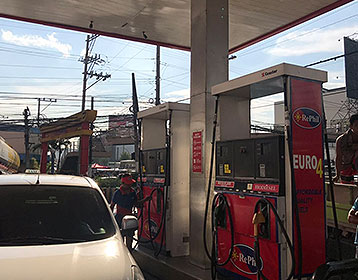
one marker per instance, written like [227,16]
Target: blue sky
[43,62]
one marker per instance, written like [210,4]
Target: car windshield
[38,214]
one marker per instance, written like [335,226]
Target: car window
[52,214]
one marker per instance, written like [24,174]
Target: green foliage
[48,167]
[108,182]
[125,155]
[34,163]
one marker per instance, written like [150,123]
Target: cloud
[174,96]
[299,43]
[49,42]
[40,91]
[336,79]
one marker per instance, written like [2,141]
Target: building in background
[120,137]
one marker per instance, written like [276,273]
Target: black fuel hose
[216,199]
[331,188]
[257,257]
[220,197]
[294,192]
[162,219]
[210,178]
[297,218]
[289,243]
[160,226]
[162,222]
[167,179]
[164,197]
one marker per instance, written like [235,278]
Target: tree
[53,146]
[125,155]
[34,164]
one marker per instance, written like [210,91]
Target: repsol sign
[306,118]
[150,228]
[243,259]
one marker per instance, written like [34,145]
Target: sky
[45,62]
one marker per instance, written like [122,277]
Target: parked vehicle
[60,227]
[127,166]
[9,158]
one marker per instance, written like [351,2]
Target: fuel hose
[331,188]
[220,199]
[257,242]
[214,250]
[210,179]
[294,191]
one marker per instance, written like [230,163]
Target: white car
[60,227]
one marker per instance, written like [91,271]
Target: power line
[295,37]
[312,21]
[38,66]
[330,59]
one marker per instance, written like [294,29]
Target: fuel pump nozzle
[257,219]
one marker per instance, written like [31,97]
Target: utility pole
[38,107]
[38,112]
[157,78]
[89,62]
[26,114]
[91,137]
[84,85]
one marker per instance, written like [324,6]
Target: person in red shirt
[125,198]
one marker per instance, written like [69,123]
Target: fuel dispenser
[272,225]
[165,177]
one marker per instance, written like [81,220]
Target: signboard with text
[197,152]
[307,146]
[121,125]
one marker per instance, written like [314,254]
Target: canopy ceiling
[166,22]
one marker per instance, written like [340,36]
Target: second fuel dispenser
[165,150]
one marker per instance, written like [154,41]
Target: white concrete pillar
[209,66]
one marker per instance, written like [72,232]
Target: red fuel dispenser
[270,178]
[165,147]
[152,226]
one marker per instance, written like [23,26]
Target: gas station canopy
[166,22]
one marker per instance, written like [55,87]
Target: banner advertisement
[307,146]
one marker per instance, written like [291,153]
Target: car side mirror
[129,223]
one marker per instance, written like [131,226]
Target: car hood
[104,259]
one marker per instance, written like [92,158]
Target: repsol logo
[306,118]
[152,226]
[243,258]
[267,73]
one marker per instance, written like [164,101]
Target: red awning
[98,166]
